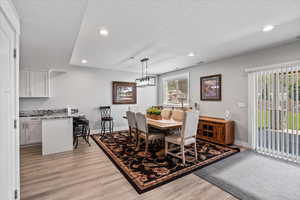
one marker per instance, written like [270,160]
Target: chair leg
[136,138]
[139,143]
[196,154]
[183,154]
[147,145]
[74,140]
[130,134]
[102,129]
[109,127]
[86,138]
[76,143]
[166,148]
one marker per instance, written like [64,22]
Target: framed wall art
[211,88]
[123,92]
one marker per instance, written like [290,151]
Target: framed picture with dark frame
[123,92]
[211,88]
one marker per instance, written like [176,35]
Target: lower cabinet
[216,130]
[30,131]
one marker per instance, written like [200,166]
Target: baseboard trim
[242,143]
[97,131]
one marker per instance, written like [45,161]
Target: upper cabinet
[34,84]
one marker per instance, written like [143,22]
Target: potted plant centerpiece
[154,113]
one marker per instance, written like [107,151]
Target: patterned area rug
[146,172]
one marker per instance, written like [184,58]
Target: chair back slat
[178,115]
[166,114]
[190,124]
[141,122]
[131,119]
[105,111]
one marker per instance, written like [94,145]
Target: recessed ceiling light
[103,32]
[191,54]
[84,61]
[268,28]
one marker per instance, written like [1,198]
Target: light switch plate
[241,105]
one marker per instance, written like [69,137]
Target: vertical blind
[276,112]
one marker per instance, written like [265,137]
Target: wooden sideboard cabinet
[216,130]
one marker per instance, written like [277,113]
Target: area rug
[148,171]
[252,176]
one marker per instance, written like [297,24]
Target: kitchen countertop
[46,117]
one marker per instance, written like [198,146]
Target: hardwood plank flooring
[87,173]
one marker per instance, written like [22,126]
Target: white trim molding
[11,19]
[242,143]
[273,66]
[120,128]
[175,77]
[8,8]
[251,109]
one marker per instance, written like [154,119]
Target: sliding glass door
[276,112]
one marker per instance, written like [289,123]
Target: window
[176,90]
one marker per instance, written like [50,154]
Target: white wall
[234,82]
[87,89]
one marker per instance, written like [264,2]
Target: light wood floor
[87,173]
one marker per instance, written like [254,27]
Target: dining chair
[132,124]
[186,137]
[166,114]
[145,133]
[105,112]
[177,115]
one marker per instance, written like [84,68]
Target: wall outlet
[241,105]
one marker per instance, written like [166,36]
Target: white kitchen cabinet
[24,83]
[34,84]
[22,132]
[34,132]
[30,131]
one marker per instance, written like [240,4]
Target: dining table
[162,124]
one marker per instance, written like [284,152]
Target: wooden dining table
[162,124]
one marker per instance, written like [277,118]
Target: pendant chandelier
[145,80]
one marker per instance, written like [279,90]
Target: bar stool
[80,129]
[106,119]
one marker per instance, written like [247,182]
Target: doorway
[275,116]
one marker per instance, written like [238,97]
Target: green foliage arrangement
[153,111]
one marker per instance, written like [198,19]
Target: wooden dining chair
[132,125]
[166,114]
[145,133]
[186,137]
[177,115]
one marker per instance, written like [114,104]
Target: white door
[275,108]
[8,141]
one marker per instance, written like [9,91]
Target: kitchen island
[57,134]
[53,129]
